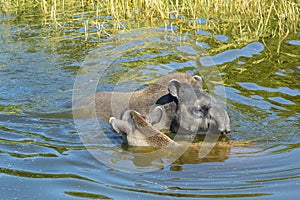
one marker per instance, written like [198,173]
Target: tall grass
[243,20]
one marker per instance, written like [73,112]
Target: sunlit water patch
[42,156]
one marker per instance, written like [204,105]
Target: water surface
[42,156]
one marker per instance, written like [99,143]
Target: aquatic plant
[242,20]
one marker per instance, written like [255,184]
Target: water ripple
[232,54]
[284,90]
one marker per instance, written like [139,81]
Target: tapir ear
[126,115]
[156,115]
[121,126]
[174,87]
[199,80]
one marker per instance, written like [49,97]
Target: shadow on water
[42,155]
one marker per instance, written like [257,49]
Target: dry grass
[243,20]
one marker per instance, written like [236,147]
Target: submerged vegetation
[242,20]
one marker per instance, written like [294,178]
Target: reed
[242,20]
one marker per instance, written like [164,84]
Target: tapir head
[197,111]
[218,119]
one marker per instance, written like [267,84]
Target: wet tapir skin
[186,106]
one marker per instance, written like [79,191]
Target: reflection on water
[41,153]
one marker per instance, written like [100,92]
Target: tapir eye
[197,112]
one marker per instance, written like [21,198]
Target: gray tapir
[186,106]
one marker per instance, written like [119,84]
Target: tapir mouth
[224,132]
[212,130]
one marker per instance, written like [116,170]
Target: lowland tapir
[186,107]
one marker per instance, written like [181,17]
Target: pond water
[43,157]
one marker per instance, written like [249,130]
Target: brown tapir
[139,132]
[186,106]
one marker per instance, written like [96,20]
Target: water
[42,156]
